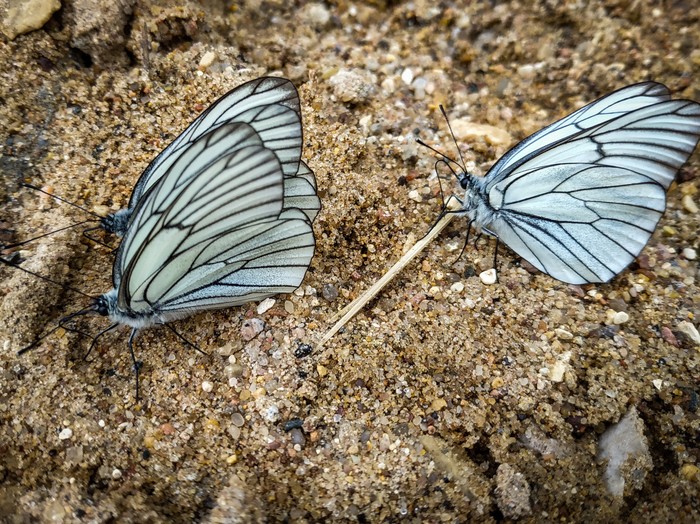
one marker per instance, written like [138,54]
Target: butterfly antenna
[46,279]
[449,126]
[17,244]
[439,153]
[183,339]
[59,326]
[85,210]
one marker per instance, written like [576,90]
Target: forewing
[591,116]
[269,105]
[190,207]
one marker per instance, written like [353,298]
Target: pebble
[689,253]
[237,420]
[438,404]
[690,330]
[563,334]
[457,287]
[23,16]
[620,317]
[272,414]
[407,76]
[414,195]
[65,434]
[207,386]
[116,474]
[488,277]
[351,86]
[297,436]
[265,305]
[289,306]
[329,292]
[689,205]
[207,59]
[317,15]
[251,328]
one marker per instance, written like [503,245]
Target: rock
[488,277]
[23,16]
[512,492]
[469,131]
[690,330]
[625,448]
[352,86]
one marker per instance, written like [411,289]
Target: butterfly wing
[269,105]
[213,233]
[300,192]
[581,203]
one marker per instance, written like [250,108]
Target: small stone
[620,317]
[488,277]
[317,15]
[289,306]
[329,292]
[207,60]
[457,287]
[65,434]
[23,16]
[563,334]
[438,404]
[690,472]
[322,370]
[265,305]
[207,386]
[352,86]
[251,328]
[690,330]
[237,420]
[272,414]
[407,76]
[116,474]
[414,195]
[624,448]
[658,383]
[689,253]
[467,131]
[689,205]
[512,492]
[297,436]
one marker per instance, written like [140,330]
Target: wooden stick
[356,305]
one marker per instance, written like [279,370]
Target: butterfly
[223,216]
[580,198]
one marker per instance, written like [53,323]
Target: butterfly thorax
[107,306]
[116,223]
[474,202]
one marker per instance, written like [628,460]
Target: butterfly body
[580,198]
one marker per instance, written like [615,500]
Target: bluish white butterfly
[580,198]
[223,216]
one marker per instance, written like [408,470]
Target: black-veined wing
[582,207]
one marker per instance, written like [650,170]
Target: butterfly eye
[463,180]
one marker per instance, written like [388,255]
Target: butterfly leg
[94,340]
[187,342]
[137,364]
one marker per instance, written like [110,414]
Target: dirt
[441,381]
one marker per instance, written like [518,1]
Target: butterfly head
[116,223]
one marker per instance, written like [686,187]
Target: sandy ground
[445,399]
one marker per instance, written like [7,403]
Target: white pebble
[265,305]
[207,59]
[620,317]
[116,474]
[65,434]
[488,277]
[689,253]
[207,386]
[689,205]
[407,76]
[272,414]
[414,195]
[457,287]
[690,330]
